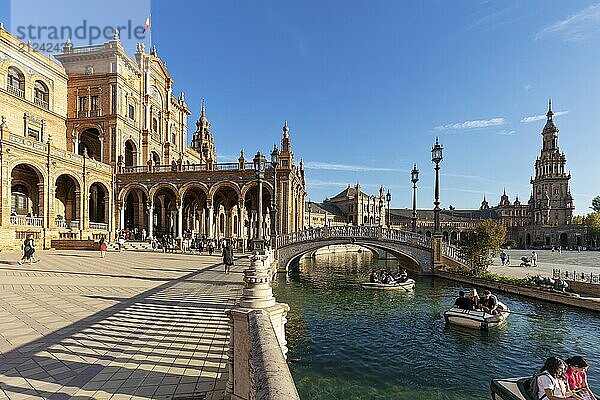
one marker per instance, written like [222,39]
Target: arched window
[40,94]
[16,82]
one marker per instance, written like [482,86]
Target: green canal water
[348,343]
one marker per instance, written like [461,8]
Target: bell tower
[551,203]
[203,141]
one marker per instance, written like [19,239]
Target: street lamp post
[274,164]
[309,218]
[436,158]
[388,198]
[414,178]
[381,222]
[259,170]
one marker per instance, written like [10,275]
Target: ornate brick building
[99,142]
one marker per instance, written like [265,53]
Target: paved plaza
[583,261]
[134,325]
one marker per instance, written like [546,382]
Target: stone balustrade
[272,379]
[257,345]
[26,221]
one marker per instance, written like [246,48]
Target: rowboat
[407,285]
[511,389]
[476,319]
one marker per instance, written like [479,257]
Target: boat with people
[477,319]
[511,389]
[407,285]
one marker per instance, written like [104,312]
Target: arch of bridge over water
[415,252]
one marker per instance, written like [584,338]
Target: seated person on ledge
[464,303]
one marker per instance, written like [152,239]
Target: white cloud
[576,27]
[474,124]
[505,132]
[343,167]
[316,183]
[527,88]
[534,118]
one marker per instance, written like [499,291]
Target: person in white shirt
[551,383]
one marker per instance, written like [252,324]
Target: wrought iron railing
[26,221]
[587,277]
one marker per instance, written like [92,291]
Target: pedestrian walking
[28,250]
[121,242]
[227,256]
[102,246]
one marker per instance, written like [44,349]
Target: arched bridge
[413,250]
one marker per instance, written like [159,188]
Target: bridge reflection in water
[345,342]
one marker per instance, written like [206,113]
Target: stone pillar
[436,247]
[210,221]
[122,216]
[180,221]
[241,224]
[257,295]
[150,220]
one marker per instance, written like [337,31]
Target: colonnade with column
[200,218]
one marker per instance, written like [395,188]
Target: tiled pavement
[129,326]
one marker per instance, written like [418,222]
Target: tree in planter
[483,242]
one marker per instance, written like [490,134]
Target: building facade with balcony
[98,143]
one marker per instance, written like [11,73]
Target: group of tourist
[559,379]
[387,277]
[488,303]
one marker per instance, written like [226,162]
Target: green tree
[592,221]
[578,219]
[596,204]
[482,244]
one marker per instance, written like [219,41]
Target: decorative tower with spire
[552,203]
[286,157]
[484,204]
[202,140]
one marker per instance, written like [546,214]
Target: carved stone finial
[116,34]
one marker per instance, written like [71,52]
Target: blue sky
[367,86]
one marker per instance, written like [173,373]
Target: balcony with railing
[15,91]
[99,226]
[135,169]
[82,114]
[66,224]
[40,102]
[26,221]
[95,113]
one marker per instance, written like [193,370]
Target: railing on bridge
[452,252]
[357,232]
